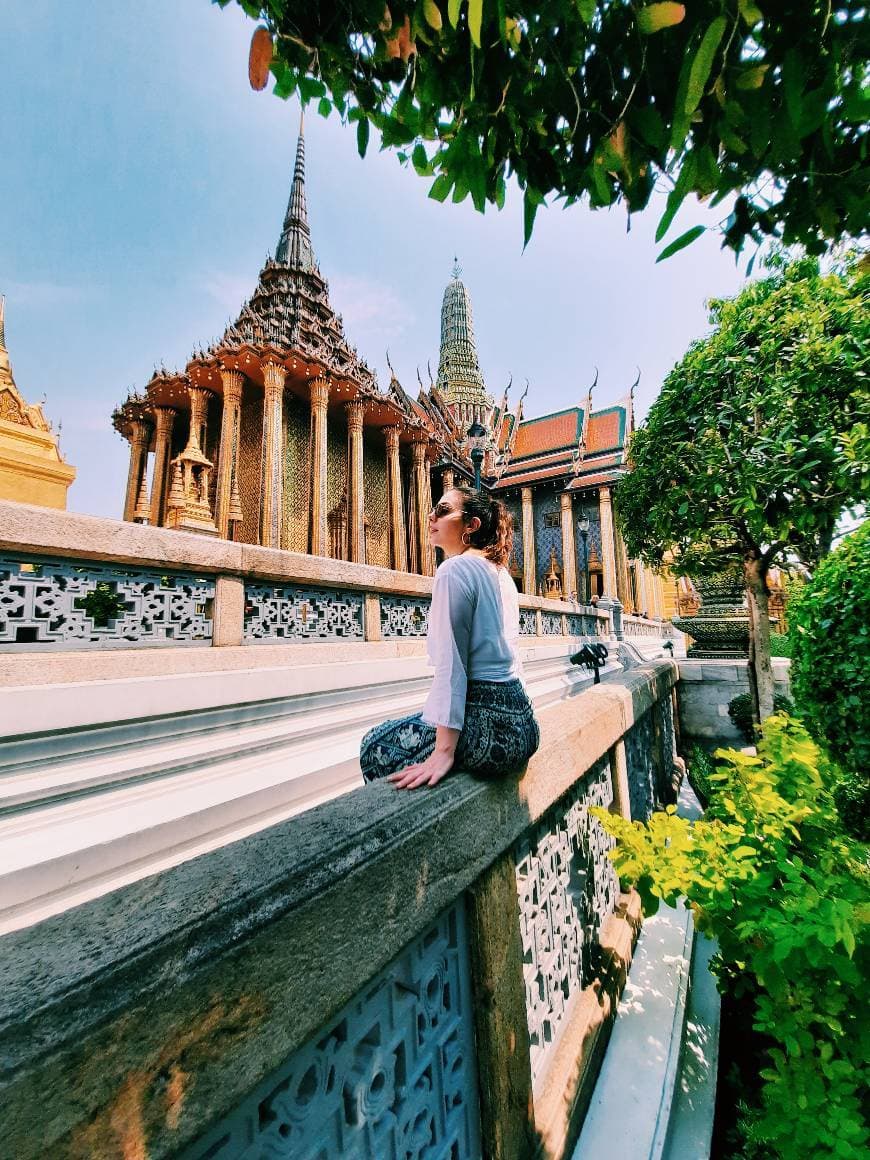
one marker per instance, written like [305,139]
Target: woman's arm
[436,766]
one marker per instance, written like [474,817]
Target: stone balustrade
[637,626]
[72,582]
[384,974]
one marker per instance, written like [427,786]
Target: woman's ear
[473,525]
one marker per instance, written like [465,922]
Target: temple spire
[5,368]
[294,246]
[459,374]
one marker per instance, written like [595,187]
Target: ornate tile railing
[275,612]
[647,745]
[567,887]
[528,622]
[404,616]
[640,626]
[394,1074]
[47,603]
[551,623]
[580,625]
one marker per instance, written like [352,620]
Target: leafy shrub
[852,799]
[769,872]
[780,644]
[700,769]
[830,669]
[740,712]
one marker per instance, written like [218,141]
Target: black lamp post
[477,438]
[583,529]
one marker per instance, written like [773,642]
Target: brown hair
[495,536]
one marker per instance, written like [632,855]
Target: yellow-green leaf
[433,14]
[655,17]
[475,17]
[752,78]
[453,7]
[750,12]
[703,62]
[512,31]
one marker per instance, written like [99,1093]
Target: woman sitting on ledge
[477,716]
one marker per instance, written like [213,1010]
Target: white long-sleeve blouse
[474,628]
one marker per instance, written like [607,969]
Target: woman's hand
[435,767]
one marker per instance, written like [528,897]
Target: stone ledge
[218,968]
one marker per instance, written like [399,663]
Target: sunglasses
[442,509]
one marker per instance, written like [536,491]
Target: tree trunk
[761,675]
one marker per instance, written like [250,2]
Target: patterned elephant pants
[499,736]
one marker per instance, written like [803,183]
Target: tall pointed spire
[294,246]
[459,375]
[5,368]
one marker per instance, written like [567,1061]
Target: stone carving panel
[393,1075]
[649,756]
[289,612]
[70,605]
[404,616]
[551,623]
[567,888]
[528,622]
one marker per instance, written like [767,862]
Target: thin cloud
[372,312]
[228,290]
[41,294]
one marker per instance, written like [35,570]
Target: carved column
[608,545]
[423,502]
[528,542]
[623,579]
[163,442]
[188,507]
[447,479]
[569,552]
[229,452]
[355,411]
[273,461]
[140,438]
[399,553]
[319,403]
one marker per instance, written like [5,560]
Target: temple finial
[294,247]
[457,269]
[5,369]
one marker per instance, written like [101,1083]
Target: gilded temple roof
[13,408]
[459,375]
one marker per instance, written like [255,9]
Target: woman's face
[446,524]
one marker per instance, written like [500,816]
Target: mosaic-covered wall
[548,532]
[376,510]
[297,476]
[250,463]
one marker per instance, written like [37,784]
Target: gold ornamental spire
[5,368]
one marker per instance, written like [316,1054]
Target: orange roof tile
[548,433]
[606,429]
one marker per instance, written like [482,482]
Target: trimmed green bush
[740,712]
[780,645]
[830,669]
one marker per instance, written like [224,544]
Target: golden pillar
[355,411]
[422,489]
[140,438]
[623,577]
[188,506]
[608,545]
[229,451]
[528,542]
[394,500]
[319,403]
[569,552]
[273,461]
[447,479]
[165,417]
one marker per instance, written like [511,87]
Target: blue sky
[142,184]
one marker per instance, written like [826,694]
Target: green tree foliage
[598,99]
[770,874]
[830,670]
[745,458]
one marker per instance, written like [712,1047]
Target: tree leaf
[420,160]
[441,187]
[531,200]
[475,16]
[702,65]
[752,78]
[433,14]
[655,17]
[586,8]
[681,242]
[677,195]
[453,9]
[750,12]
[362,136]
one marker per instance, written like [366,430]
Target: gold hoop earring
[466,539]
